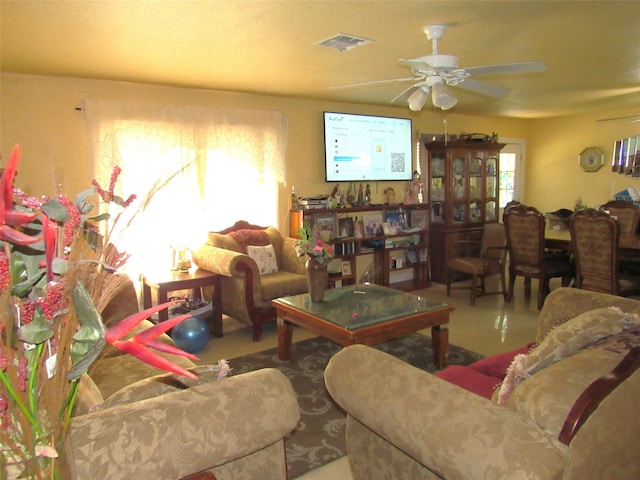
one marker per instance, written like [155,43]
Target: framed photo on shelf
[412,257]
[325,222]
[372,224]
[346,268]
[345,227]
[396,219]
[419,219]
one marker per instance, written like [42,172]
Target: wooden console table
[169,281]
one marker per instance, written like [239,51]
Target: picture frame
[419,219]
[397,221]
[346,268]
[345,227]
[325,222]
[631,155]
[412,257]
[592,158]
[386,229]
[372,224]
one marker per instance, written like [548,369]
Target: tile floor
[491,326]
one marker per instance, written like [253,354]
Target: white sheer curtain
[212,166]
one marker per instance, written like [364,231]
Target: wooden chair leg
[543,290]
[474,280]
[512,281]
[527,287]
[448,282]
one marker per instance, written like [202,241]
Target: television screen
[367,148]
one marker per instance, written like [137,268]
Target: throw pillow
[246,236]
[265,258]
[564,340]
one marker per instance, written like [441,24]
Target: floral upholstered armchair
[257,265]
[133,421]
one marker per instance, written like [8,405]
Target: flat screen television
[367,148]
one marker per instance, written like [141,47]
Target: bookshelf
[395,236]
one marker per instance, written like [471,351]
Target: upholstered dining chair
[489,259]
[627,214]
[594,238]
[524,226]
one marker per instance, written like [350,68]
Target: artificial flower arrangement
[312,245]
[55,268]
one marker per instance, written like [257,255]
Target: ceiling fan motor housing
[440,61]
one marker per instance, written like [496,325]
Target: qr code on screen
[397,162]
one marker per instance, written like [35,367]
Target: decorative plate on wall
[591,159]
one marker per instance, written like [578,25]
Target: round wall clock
[591,159]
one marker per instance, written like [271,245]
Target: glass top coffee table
[364,313]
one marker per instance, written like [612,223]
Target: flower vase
[317,276]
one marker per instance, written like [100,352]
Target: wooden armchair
[627,214]
[489,259]
[247,287]
[524,227]
[595,236]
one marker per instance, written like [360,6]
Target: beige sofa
[569,419]
[134,421]
[247,289]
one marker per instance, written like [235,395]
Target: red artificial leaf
[151,358]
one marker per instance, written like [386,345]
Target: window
[507,178]
[206,169]
[511,181]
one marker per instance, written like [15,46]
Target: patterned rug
[319,437]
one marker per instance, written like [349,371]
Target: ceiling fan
[631,118]
[433,73]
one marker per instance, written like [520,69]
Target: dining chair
[627,214]
[524,227]
[480,260]
[595,236]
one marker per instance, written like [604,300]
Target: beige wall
[40,114]
[553,177]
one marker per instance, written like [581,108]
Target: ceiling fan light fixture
[418,98]
[441,97]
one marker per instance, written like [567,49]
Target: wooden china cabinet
[463,185]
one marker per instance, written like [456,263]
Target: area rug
[320,436]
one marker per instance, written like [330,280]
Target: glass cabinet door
[458,178]
[490,214]
[437,187]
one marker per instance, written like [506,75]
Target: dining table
[628,246]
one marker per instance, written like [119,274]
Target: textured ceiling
[591,49]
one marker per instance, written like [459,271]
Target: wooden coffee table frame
[437,319]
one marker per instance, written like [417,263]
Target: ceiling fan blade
[406,93]
[484,88]
[523,67]
[376,82]
[620,118]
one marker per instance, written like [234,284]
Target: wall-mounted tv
[367,148]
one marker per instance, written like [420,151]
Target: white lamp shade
[442,97]
[418,98]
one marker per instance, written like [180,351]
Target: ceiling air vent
[343,41]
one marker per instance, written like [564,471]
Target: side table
[169,281]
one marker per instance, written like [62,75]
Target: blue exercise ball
[191,335]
